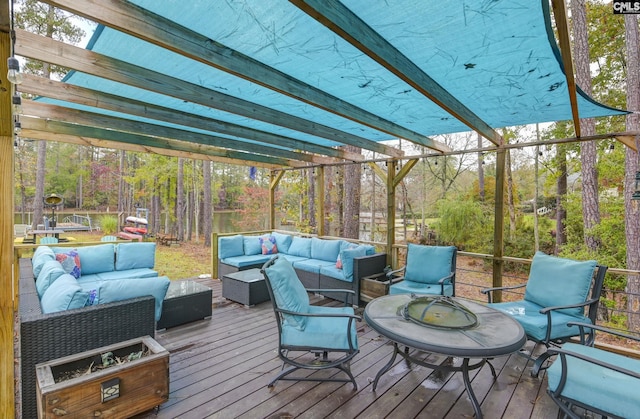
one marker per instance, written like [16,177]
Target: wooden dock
[219,368]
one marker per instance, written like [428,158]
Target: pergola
[288,84]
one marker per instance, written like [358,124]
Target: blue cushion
[371,249]
[606,390]
[428,264]
[344,245]
[268,245]
[325,249]
[311,265]
[300,246]
[347,260]
[283,241]
[50,271]
[135,255]
[124,289]
[251,245]
[535,324]
[40,256]
[230,246]
[63,294]
[322,332]
[288,291]
[411,287]
[244,260]
[333,272]
[555,281]
[100,258]
[127,273]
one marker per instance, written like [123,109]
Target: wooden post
[7,286]
[498,224]
[320,200]
[391,211]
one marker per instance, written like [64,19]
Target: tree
[632,212]
[588,154]
[207,204]
[351,199]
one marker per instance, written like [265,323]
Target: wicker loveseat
[44,337]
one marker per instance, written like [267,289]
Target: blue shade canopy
[293,80]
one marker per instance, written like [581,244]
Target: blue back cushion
[135,255]
[40,256]
[347,260]
[555,281]
[230,246]
[283,241]
[300,246]
[95,259]
[325,249]
[63,294]
[428,264]
[251,245]
[50,271]
[288,291]
[123,289]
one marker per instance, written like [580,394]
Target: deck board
[220,368]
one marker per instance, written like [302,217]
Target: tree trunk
[121,183]
[588,152]
[207,209]
[352,187]
[561,213]
[632,210]
[311,199]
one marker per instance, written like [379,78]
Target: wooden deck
[220,368]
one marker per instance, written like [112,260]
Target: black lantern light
[52,201]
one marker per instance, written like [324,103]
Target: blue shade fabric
[498,58]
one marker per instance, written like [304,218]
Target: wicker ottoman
[245,287]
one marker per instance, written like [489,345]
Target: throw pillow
[345,247]
[70,262]
[268,245]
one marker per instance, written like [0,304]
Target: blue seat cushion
[322,332]
[129,273]
[288,292]
[428,264]
[124,289]
[94,259]
[604,389]
[555,281]
[326,250]
[246,260]
[335,273]
[293,259]
[535,324]
[347,256]
[312,265]
[251,245]
[411,287]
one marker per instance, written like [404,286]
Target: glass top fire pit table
[444,325]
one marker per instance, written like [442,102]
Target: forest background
[570,199]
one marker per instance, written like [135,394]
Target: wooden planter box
[375,286]
[121,390]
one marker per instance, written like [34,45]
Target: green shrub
[109,224]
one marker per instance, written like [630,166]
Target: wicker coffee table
[245,287]
[186,301]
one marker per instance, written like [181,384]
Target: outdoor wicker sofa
[44,337]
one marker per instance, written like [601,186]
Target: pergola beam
[130,19]
[337,17]
[39,86]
